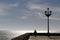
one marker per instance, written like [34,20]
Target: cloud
[41,8]
[2,10]
[53,18]
[13,5]
[23,17]
[3,14]
[32,6]
[5,7]
[44,17]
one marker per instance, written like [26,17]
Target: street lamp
[48,14]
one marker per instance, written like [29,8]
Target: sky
[28,15]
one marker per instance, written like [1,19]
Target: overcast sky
[29,15]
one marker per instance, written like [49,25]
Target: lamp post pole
[48,14]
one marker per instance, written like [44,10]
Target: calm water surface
[8,35]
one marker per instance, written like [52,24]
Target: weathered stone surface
[39,36]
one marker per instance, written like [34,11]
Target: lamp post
[48,14]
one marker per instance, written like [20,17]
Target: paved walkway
[44,38]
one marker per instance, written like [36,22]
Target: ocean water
[8,35]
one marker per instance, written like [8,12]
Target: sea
[8,35]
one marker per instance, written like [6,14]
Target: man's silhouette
[35,33]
